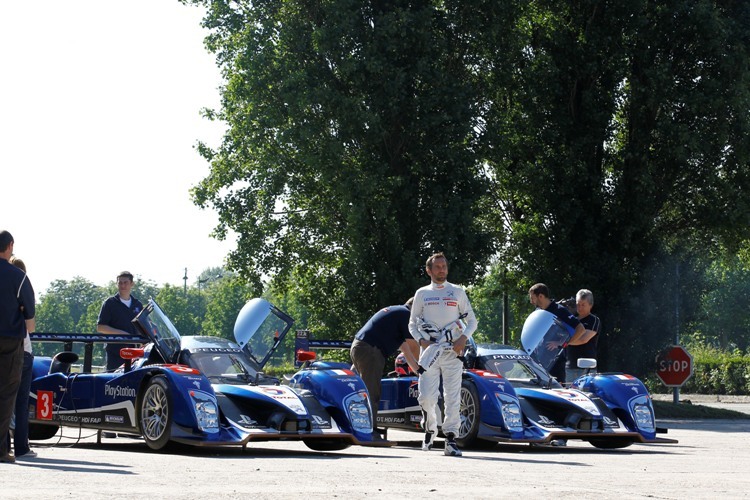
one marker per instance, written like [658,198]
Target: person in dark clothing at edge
[17,311]
[587,346]
[385,333]
[539,296]
[116,315]
[21,431]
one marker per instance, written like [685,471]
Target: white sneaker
[451,449]
[429,440]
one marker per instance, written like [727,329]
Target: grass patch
[667,410]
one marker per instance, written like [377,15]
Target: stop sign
[674,366]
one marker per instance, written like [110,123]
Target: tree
[722,321]
[225,302]
[617,138]
[186,310]
[350,153]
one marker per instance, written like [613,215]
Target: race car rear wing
[304,342]
[88,340]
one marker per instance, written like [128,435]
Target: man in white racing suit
[441,320]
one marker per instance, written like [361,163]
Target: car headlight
[643,413]
[512,417]
[206,413]
[359,412]
[511,413]
[644,417]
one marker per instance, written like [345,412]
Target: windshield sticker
[219,350]
[510,356]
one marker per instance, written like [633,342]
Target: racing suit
[441,305]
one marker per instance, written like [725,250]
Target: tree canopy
[595,144]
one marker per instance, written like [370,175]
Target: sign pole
[676,390]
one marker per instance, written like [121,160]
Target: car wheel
[156,413]
[609,444]
[469,414]
[326,444]
[41,432]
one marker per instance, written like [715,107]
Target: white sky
[99,116]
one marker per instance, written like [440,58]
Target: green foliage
[718,371]
[617,137]
[723,300]
[226,299]
[350,152]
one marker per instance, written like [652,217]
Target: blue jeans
[21,434]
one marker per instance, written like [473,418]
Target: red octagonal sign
[674,366]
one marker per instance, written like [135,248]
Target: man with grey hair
[586,344]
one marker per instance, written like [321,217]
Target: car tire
[470,416]
[609,444]
[326,444]
[155,416]
[40,432]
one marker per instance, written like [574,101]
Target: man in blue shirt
[386,332]
[17,310]
[116,317]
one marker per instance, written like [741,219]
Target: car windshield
[225,364]
[519,369]
[160,330]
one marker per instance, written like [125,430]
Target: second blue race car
[508,396]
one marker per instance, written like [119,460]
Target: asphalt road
[711,460]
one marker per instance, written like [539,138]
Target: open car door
[155,325]
[259,328]
[540,328]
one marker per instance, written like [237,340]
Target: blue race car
[202,391]
[508,396]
